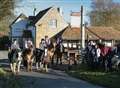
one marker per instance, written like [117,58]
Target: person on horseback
[28,44]
[59,50]
[48,52]
[47,41]
[13,55]
[28,54]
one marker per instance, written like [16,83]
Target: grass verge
[106,79]
[8,80]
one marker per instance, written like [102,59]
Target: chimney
[75,19]
[60,10]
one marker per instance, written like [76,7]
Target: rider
[47,41]
[59,50]
[28,44]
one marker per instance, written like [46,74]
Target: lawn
[8,80]
[106,79]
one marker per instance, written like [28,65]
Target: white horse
[19,60]
[116,62]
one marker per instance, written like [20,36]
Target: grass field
[106,79]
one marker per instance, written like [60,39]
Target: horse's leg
[11,67]
[14,68]
[18,67]
[57,60]
[41,61]
[46,67]
[61,59]
[41,65]
[26,64]
[30,65]
[52,59]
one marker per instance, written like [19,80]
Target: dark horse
[59,49]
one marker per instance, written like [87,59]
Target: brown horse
[59,49]
[28,55]
[49,52]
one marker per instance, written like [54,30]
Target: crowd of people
[99,55]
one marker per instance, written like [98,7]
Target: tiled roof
[36,18]
[106,33]
[93,33]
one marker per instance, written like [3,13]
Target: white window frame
[53,23]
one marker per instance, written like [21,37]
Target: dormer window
[53,23]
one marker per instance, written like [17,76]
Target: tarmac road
[52,79]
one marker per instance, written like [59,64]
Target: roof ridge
[21,14]
[93,33]
[41,14]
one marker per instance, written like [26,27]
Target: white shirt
[15,46]
[98,52]
[28,43]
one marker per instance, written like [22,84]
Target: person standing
[97,57]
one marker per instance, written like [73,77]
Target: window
[53,23]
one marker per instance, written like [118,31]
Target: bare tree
[105,13]
[7,13]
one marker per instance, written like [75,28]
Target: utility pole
[82,30]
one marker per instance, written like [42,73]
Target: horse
[59,49]
[19,61]
[116,62]
[39,58]
[48,55]
[28,55]
[15,58]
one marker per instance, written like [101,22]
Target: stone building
[47,22]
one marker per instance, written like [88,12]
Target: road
[52,79]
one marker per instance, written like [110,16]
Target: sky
[68,6]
